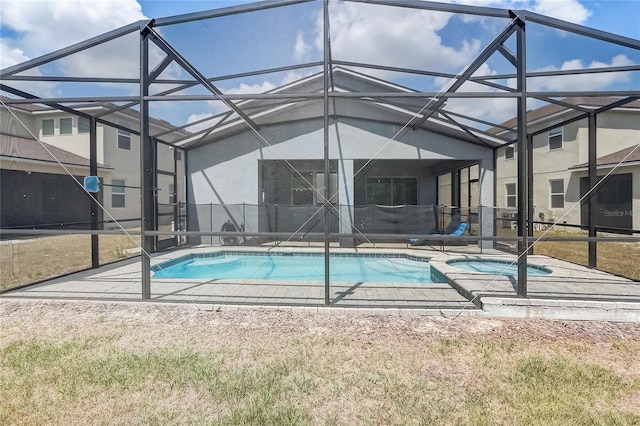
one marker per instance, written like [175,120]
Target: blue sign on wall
[91,183]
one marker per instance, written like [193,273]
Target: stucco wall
[616,130]
[226,171]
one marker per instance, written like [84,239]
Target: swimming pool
[497,267]
[347,267]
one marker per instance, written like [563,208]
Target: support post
[455,194]
[523,162]
[530,207]
[593,180]
[327,193]
[146,168]
[95,210]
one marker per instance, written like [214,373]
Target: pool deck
[569,292]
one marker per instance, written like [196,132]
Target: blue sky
[284,36]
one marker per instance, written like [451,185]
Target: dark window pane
[48,127]
[66,126]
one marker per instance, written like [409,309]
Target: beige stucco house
[560,159]
[64,144]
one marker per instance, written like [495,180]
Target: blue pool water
[298,267]
[497,267]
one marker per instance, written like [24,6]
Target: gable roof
[553,109]
[396,109]
[29,149]
[624,157]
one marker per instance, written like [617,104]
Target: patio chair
[455,230]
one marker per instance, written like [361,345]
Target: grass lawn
[616,258]
[29,260]
[116,364]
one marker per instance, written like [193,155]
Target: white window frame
[554,133]
[65,119]
[124,135]
[552,194]
[53,127]
[509,196]
[118,190]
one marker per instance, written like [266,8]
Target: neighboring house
[67,138]
[560,165]
[34,191]
[374,160]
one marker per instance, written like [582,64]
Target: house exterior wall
[226,171]
[616,130]
[10,125]
[124,164]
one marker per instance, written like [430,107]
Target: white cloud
[11,56]
[495,110]
[581,81]
[394,36]
[250,88]
[301,50]
[567,10]
[45,26]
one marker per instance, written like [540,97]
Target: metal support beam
[508,55]
[327,193]
[95,209]
[180,60]
[530,183]
[473,67]
[581,30]
[227,11]
[592,199]
[70,50]
[146,168]
[465,129]
[441,7]
[523,162]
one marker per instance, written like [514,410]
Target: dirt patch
[188,324]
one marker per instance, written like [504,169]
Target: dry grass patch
[259,367]
[30,260]
[614,257]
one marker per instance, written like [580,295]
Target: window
[172,194]
[124,137]
[66,126]
[302,189]
[83,125]
[117,193]
[511,195]
[392,191]
[555,138]
[309,188]
[320,188]
[510,152]
[557,193]
[48,127]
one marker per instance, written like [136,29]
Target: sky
[292,35]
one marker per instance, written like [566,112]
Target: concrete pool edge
[570,292]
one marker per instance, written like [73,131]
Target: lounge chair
[455,230]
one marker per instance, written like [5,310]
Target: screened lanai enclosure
[395,130]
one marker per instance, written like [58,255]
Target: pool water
[298,267]
[497,267]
